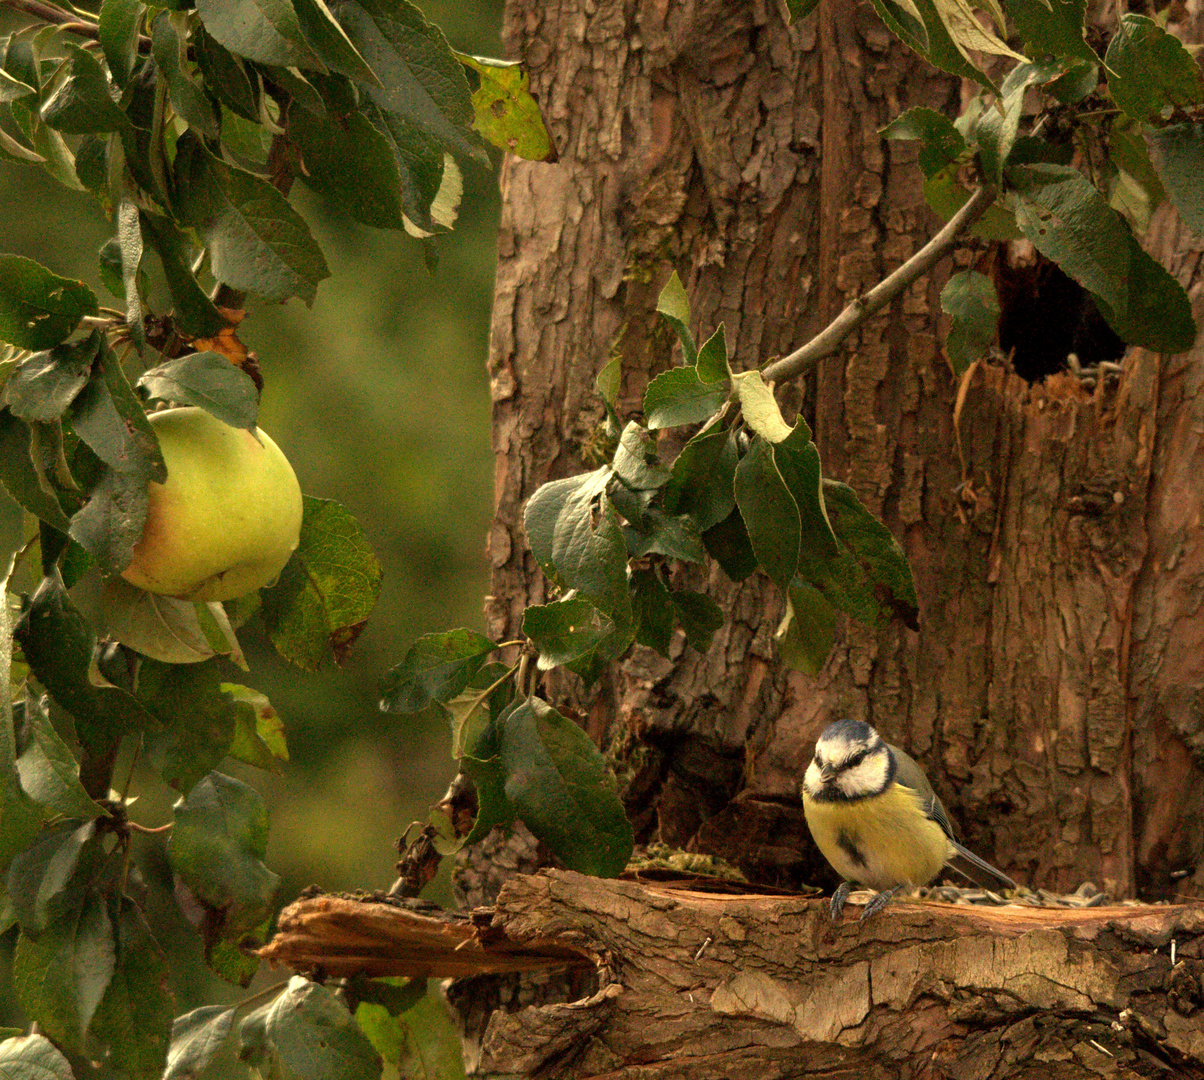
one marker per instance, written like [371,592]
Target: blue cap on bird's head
[850,731]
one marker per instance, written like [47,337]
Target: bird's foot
[879,901]
[839,897]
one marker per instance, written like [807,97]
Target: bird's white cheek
[812,783]
[868,778]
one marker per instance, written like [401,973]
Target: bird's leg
[879,901]
[839,897]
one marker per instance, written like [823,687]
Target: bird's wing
[909,774]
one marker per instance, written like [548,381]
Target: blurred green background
[379,397]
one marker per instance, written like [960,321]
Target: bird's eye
[819,759]
[855,759]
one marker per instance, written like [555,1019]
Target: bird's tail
[979,871]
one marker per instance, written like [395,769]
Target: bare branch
[865,307]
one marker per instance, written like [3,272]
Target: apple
[228,517]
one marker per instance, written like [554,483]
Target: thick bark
[1052,690]
[709,985]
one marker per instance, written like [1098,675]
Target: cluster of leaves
[1081,148]
[188,122]
[746,490]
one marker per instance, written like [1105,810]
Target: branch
[66,20]
[867,306]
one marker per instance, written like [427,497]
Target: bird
[874,816]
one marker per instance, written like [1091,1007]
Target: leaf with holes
[1150,70]
[39,309]
[941,144]
[506,113]
[326,591]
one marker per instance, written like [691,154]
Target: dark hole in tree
[1044,316]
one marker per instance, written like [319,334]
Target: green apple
[228,517]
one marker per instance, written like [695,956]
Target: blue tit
[877,820]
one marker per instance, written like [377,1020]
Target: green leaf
[44,385]
[110,523]
[420,163]
[560,786]
[728,544]
[195,314]
[371,192]
[61,975]
[870,578]
[565,630]
[119,36]
[702,478]
[12,88]
[970,298]
[226,77]
[39,309]
[1178,153]
[421,79]
[808,630]
[653,611]
[257,242]
[54,875]
[797,460]
[170,50]
[20,479]
[674,306]
[770,513]
[1150,70]
[267,31]
[933,39]
[48,769]
[196,1037]
[32,1057]
[80,104]
[759,408]
[1158,315]
[658,533]
[967,32]
[217,847]
[437,667]
[636,462]
[1081,80]
[329,40]
[326,591]
[800,9]
[678,396]
[506,113]
[258,729]
[109,418]
[906,21]
[20,819]
[58,645]
[1051,26]
[134,1017]
[610,381]
[941,144]
[423,1040]
[699,616]
[712,362]
[209,381]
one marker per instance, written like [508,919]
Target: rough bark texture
[1053,690]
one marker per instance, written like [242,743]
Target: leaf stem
[146,831]
[865,307]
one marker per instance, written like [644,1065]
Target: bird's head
[851,762]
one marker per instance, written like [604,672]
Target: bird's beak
[826,773]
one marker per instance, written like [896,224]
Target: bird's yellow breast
[882,840]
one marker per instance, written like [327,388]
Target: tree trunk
[1052,689]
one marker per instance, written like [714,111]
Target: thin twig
[68,20]
[865,307]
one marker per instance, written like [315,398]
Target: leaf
[565,631]
[195,314]
[946,196]
[559,784]
[134,1017]
[60,162]
[20,479]
[48,769]
[728,544]
[968,33]
[1051,26]
[196,1037]
[330,42]
[759,408]
[941,144]
[421,79]
[110,523]
[808,629]
[932,39]
[636,462]
[129,242]
[1081,80]
[258,729]
[1158,315]
[658,533]
[61,975]
[257,241]
[1178,153]
[506,113]
[870,578]
[769,512]
[39,309]
[169,48]
[679,396]
[217,846]
[970,298]
[18,151]
[1150,70]
[226,77]
[54,875]
[44,385]
[797,461]
[80,103]
[674,306]
[420,162]
[437,667]
[699,616]
[702,476]
[305,1033]
[370,193]
[800,9]
[12,88]
[32,1057]
[58,645]
[610,381]
[653,611]
[326,591]
[267,31]
[209,381]
[423,1040]
[712,362]
[118,31]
